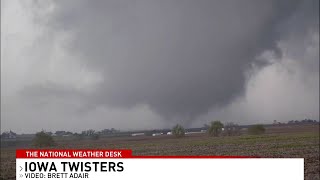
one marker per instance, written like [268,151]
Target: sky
[150,64]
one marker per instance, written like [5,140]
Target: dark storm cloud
[74,65]
[52,92]
[181,58]
[304,21]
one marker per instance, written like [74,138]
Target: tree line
[217,128]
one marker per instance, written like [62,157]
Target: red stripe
[190,157]
[74,153]
[99,153]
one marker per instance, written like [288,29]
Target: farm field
[282,142]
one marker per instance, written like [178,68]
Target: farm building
[157,134]
[137,134]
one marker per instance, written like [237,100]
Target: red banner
[85,153]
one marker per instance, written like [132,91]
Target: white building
[137,134]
